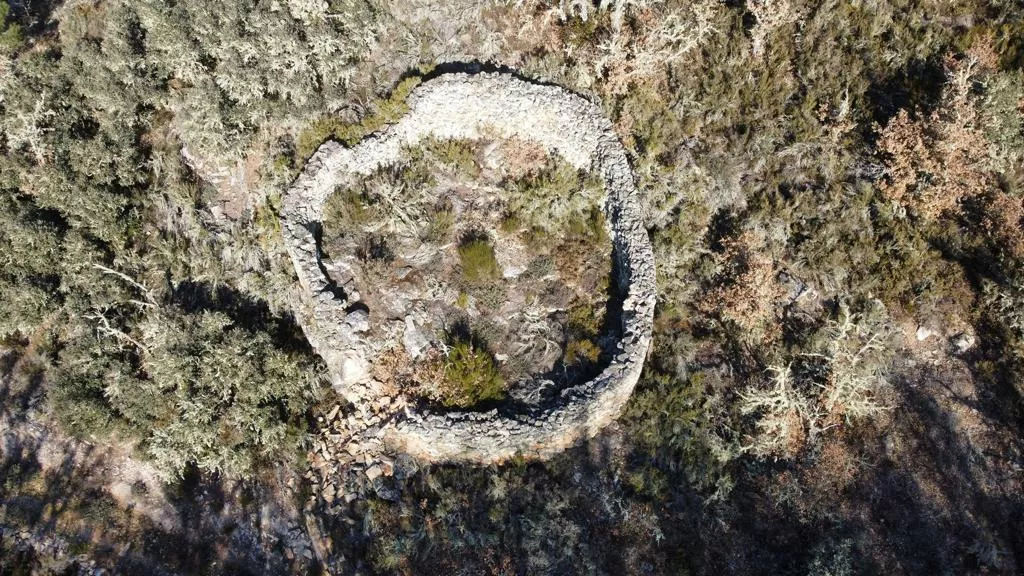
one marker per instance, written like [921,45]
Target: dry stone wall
[473,106]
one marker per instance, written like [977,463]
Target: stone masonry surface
[473,106]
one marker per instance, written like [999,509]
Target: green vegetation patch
[479,264]
[201,390]
[583,329]
[10,32]
[555,201]
[471,376]
[386,111]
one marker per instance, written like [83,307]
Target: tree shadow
[945,499]
[916,88]
[56,512]
[250,313]
[575,513]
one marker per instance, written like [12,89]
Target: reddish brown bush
[1004,222]
[937,161]
[749,294]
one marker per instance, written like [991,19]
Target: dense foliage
[115,274]
[835,193]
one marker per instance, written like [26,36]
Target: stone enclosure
[471,106]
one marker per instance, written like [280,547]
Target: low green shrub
[583,327]
[471,376]
[585,321]
[386,111]
[347,210]
[677,424]
[589,227]
[478,262]
[203,390]
[581,352]
[552,200]
[460,155]
[489,297]
[441,223]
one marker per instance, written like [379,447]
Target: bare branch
[150,302]
[105,329]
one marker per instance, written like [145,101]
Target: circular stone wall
[471,106]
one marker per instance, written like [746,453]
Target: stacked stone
[475,106]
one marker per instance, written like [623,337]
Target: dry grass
[769,15]
[750,294]
[1004,222]
[657,39]
[521,158]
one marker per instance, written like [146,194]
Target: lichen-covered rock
[468,106]
[358,321]
[414,340]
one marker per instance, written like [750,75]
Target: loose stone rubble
[464,106]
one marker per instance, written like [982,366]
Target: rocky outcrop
[475,106]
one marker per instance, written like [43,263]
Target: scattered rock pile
[349,459]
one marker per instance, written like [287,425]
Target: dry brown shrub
[400,373]
[936,162]
[796,437]
[526,29]
[653,41]
[836,469]
[520,158]
[1004,222]
[750,294]
[391,368]
[983,51]
[427,374]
